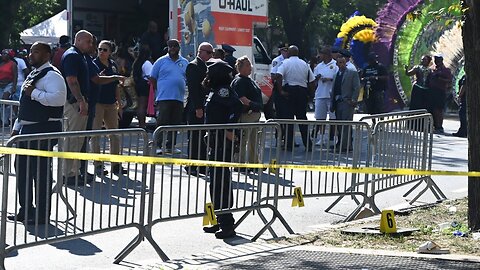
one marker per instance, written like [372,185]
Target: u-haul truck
[220,22]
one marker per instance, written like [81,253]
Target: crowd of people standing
[84,81]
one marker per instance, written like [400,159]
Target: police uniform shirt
[327,71]
[295,72]
[276,63]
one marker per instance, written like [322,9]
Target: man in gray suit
[346,87]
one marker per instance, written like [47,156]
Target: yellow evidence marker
[387,222]
[273,170]
[209,217]
[298,199]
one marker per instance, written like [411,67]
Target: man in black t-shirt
[374,79]
[154,40]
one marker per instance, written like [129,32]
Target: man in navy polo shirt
[168,78]
[74,69]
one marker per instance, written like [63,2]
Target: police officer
[229,58]
[222,107]
[295,83]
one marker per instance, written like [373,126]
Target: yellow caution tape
[209,217]
[298,198]
[192,162]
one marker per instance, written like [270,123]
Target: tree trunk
[471,45]
[9,11]
[295,17]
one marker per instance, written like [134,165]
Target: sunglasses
[102,50]
[208,52]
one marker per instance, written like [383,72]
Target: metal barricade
[327,143]
[66,209]
[404,142]
[8,114]
[391,115]
[179,192]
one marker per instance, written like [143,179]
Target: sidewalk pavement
[275,256]
[270,255]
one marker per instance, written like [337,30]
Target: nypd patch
[224,92]
[274,63]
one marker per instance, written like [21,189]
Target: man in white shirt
[345,53]
[41,111]
[296,77]
[23,72]
[324,73]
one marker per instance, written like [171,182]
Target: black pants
[170,112]
[197,149]
[220,180]
[296,108]
[38,169]
[375,102]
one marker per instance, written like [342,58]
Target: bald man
[74,68]
[294,82]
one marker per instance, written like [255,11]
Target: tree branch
[308,11]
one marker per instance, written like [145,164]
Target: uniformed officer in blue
[222,107]
[229,58]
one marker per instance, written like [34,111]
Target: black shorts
[142,88]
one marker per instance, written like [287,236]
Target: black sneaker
[100,171]
[224,234]
[117,169]
[211,229]
[20,217]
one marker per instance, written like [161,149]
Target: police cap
[345,53]
[228,48]
[282,46]
[218,70]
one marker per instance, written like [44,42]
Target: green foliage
[410,35]
[32,12]
[324,23]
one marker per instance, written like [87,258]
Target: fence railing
[8,114]
[178,188]
[55,206]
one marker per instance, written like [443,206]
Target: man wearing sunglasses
[196,71]
[168,79]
